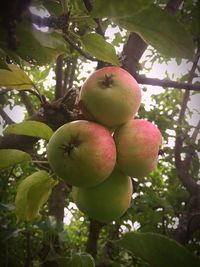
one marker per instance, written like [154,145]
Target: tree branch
[183,172]
[59,72]
[193,138]
[132,52]
[57,200]
[94,230]
[172,6]
[167,83]
[5,117]
[27,103]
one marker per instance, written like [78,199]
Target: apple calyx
[69,148]
[108,81]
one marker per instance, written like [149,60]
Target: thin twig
[190,154]
[77,48]
[195,133]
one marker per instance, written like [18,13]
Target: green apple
[111,96]
[82,153]
[137,142]
[107,201]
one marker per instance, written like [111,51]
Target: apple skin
[137,142]
[82,153]
[111,96]
[107,201]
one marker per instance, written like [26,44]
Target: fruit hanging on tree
[107,201]
[137,142]
[111,96]
[82,153]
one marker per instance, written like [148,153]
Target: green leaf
[32,194]
[30,128]
[158,250]
[95,45]
[54,7]
[161,30]
[82,260]
[10,157]
[15,78]
[118,9]
[36,46]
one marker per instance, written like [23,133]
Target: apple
[82,153]
[110,96]
[137,142]
[107,201]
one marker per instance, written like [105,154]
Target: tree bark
[92,242]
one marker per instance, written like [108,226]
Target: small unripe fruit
[107,201]
[82,153]
[137,142]
[110,96]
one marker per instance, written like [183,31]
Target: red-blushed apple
[82,153]
[137,142]
[107,201]
[111,96]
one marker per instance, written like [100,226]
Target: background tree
[47,50]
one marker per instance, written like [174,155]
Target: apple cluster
[99,155]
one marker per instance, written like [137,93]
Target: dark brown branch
[193,138]
[167,83]
[88,5]
[132,52]
[189,221]
[5,117]
[72,73]
[59,72]
[183,170]
[57,200]
[94,230]
[195,133]
[111,251]
[172,6]
[69,73]
[27,103]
